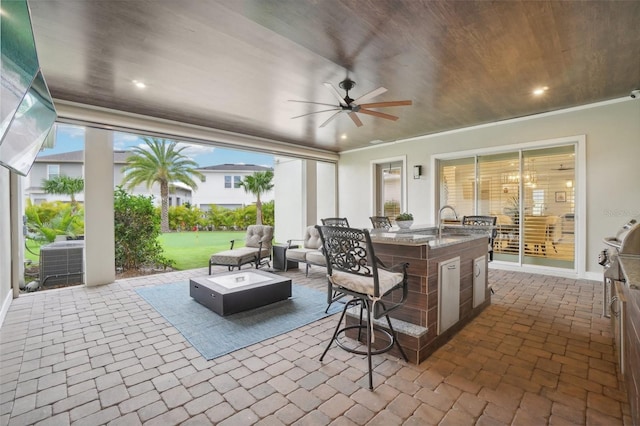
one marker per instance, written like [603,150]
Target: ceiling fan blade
[371,94]
[355,119]
[316,112]
[386,104]
[378,114]
[309,102]
[335,93]
[330,118]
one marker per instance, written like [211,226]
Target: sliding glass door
[549,207]
[531,193]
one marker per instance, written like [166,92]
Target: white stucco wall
[305,192]
[327,183]
[212,191]
[290,208]
[612,134]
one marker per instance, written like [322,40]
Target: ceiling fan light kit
[353,106]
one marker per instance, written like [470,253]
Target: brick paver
[541,353]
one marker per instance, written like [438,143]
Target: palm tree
[64,185]
[257,184]
[160,162]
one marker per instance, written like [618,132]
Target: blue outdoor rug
[213,335]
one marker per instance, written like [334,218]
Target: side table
[280,258]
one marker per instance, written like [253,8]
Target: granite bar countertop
[631,269]
[427,234]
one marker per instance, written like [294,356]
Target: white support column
[6,256]
[98,210]
[17,236]
[310,193]
[296,197]
[326,190]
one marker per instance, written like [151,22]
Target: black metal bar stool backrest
[349,250]
[380,222]
[484,221]
[336,221]
[480,220]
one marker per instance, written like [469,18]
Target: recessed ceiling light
[540,90]
[344,136]
[139,84]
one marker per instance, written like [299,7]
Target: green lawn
[190,250]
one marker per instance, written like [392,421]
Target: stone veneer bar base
[415,340]
[421,308]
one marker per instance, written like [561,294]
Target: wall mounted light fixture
[417,172]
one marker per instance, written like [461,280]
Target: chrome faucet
[440,217]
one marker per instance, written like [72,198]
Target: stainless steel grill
[626,241]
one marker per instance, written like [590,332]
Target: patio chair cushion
[363,284]
[237,257]
[299,254]
[312,238]
[316,257]
[257,234]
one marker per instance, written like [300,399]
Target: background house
[72,164]
[220,185]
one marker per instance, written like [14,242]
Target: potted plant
[404,220]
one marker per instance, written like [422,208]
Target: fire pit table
[236,291]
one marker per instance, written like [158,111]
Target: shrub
[268,213]
[47,220]
[213,217]
[184,218]
[222,218]
[245,216]
[137,227]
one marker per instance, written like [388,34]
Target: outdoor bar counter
[447,282]
[631,331]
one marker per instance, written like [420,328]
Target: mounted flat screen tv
[27,113]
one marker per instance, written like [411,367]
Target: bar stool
[353,270]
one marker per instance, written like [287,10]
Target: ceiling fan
[351,106]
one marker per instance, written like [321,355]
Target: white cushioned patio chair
[310,252]
[257,250]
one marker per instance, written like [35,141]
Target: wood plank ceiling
[233,65]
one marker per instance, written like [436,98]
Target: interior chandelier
[529,176]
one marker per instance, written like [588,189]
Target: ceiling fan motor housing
[347,84]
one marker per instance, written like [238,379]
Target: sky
[71,138]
